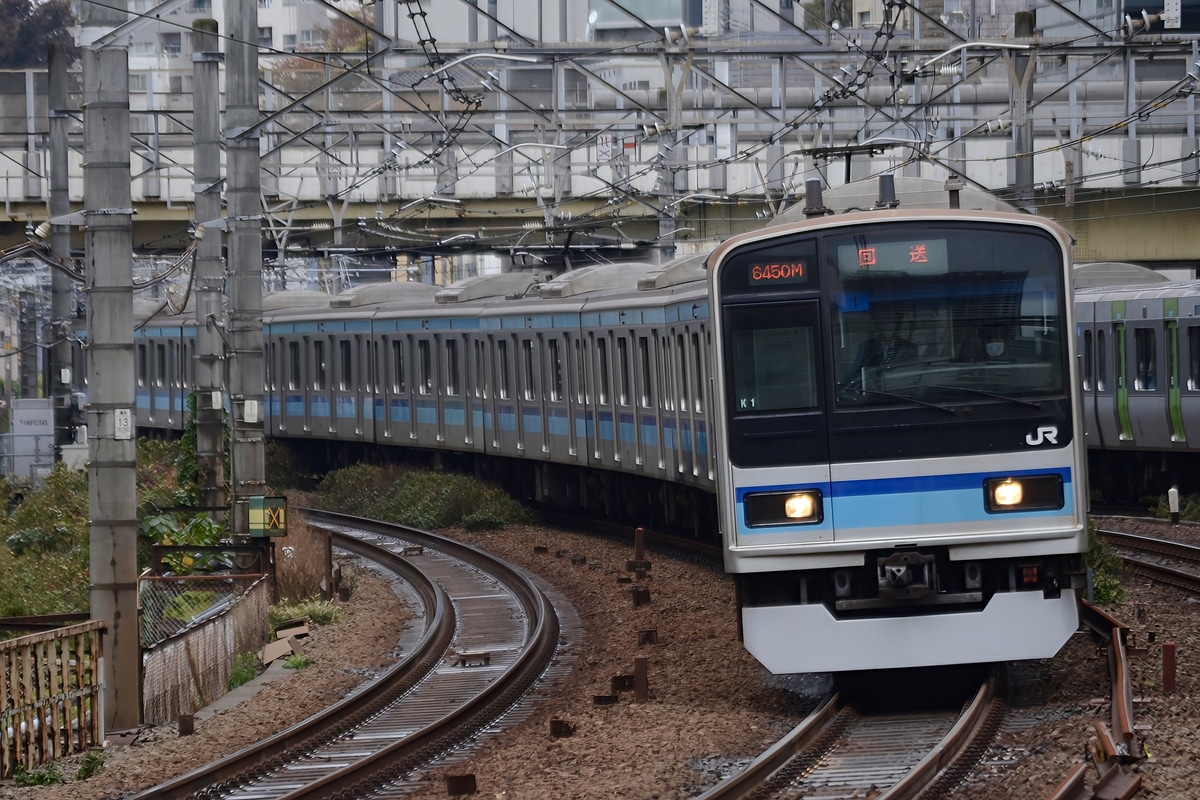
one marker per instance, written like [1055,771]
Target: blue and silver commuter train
[880,506]
[904,472]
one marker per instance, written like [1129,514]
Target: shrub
[245,669]
[1189,507]
[297,661]
[421,499]
[92,762]
[1106,571]
[46,776]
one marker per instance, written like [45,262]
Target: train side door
[1089,372]
[1189,364]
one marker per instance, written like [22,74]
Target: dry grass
[303,562]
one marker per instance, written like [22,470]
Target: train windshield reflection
[983,323]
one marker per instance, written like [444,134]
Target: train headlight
[802,507]
[1027,493]
[1008,493]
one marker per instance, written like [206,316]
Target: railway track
[839,753]
[487,633]
[1171,562]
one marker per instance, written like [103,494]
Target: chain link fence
[192,630]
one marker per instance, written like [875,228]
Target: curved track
[488,634]
[839,754]
[1166,558]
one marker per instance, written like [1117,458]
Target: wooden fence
[52,703]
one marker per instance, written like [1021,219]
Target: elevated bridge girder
[668,147]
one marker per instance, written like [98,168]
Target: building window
[172,44]
[289,41]
[264,38]
[312,39]
[199,7]
[175,83]
[264,3]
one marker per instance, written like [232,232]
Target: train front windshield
[946,317]
[898,340]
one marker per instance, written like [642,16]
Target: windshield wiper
[986,393]
[897,396]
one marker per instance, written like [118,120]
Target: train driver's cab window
[945,318]
[772,358]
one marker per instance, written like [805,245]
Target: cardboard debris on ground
[298,630]
[274,650]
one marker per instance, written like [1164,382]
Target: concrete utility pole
[242,186]
[210,271]
[59,380]
[1022,69]
[112,470]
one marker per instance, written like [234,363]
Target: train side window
[398,382]
[319,380]
[143,368]
[293,368]
[664,374]
[580,373]
[682,362]
[482,375]
[373,367]
[345,365]
[452,368]
[646,389]
[698,371]
[623,359]
[1193,340]
[425,364]
[1087,361]
[602,364]
[502,364]
[1101,362]
[1146,347]
[187,360]
[556,370]
[160,364]
[530,373]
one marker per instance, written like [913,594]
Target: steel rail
[970,726]
[1116,744]
[777,762]
[377,768]
[759,772]
[326,725]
